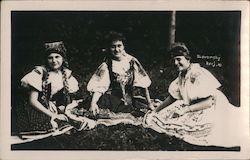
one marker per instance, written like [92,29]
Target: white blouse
[100,81]
[34,79]
[197,83]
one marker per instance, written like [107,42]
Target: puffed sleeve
[72,82]
[202,83]
[100,81]
[174,90]
[141,78]
[33,79]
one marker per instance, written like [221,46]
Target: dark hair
[57,47]
[179,49]
[114,36]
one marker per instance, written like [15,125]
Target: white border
[8,6]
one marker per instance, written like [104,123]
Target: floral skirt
[217,125]
[190,127]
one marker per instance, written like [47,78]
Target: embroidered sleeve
[202,84]
[33,79]
[100,81]
[141,78]
[174,90]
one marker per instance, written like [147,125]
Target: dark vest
[122,89]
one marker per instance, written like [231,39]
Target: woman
[51,88]
[195,111]
[112,85]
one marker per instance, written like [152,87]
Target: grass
[120,137]
[117,138]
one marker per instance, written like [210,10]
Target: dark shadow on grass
[117,138]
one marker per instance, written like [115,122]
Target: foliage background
[147,32]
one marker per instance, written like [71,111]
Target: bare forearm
[169,100]
[33,99]
[203,104]
[147,95]
[41,108]
[95,98]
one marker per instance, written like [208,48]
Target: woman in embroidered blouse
[195,108]
[51,88]
[112,84]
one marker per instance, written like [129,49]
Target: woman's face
[55,61]
[117,49]
[181,62]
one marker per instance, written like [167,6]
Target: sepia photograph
[107,80]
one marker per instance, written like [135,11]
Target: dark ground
[205,33]
[120,137]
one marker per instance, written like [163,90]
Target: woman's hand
[94,108]
[168,101]
[72,105]
[151,106]
[180,111]
[202,104]
[56,116]
[61,117]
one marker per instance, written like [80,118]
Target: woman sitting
[112,85]
[195,111]
[51,88]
